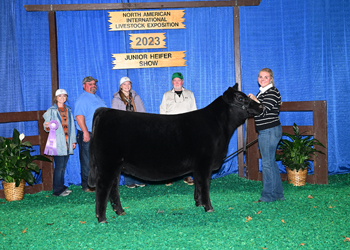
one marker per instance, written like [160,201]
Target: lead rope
[245,145]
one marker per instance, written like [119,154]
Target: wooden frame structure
[52,8]
[318,130]
[40,139]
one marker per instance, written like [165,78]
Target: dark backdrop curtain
[304,43]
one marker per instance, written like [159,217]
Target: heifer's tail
[92,150]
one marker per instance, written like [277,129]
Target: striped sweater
[271,101]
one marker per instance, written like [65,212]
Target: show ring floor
[161,217]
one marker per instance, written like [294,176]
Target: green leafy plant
[296,151]
[16,162]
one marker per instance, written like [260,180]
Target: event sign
[149,60]
[147,41]
[146,20]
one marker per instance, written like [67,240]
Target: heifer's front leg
[115,198]
[201,191]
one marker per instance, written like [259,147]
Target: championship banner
[147,41]
[149,60]
[146,20]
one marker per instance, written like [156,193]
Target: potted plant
[16,164]
[295,152]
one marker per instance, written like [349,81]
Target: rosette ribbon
[51,144]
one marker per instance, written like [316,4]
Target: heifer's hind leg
[101,197]
[115,198]
[104,186]
[201,191]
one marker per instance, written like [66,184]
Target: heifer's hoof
[122,212]
[209,210]
[198,204]
[104,221]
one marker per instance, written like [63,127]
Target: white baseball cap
[60,92]
[124,79]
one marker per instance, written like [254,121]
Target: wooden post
[53,53]
[238,80]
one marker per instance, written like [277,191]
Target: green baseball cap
[177,75]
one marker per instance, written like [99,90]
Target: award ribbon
[51,144]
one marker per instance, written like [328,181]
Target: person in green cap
[176,101]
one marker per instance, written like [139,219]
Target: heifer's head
[238,99]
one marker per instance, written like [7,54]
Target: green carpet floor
[160,217]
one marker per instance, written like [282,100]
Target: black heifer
[160,147]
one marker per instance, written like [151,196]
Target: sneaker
[68,191]
[131,186]
[169,184]
[189,180]
[89,190]
[64,193]
[140,184]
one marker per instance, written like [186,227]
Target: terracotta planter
[297,178]
[13,193]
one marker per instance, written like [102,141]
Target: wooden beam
[237,49]
[151,5]
[53,53]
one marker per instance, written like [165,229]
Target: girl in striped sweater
[269,128]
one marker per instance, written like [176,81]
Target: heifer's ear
[235,87]
[228,96]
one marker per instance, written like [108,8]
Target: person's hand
[251,96]
[46,124]
[74,145]
[86,137]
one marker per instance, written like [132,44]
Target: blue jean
[58,175]
[128,180]
[84,159]
[272,183]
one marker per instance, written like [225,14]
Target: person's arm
[162,107]
[81,122]
[72,130]
[270,102]
[46,117]
[139,104]
[193,104]
[114,104]
[251,96]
